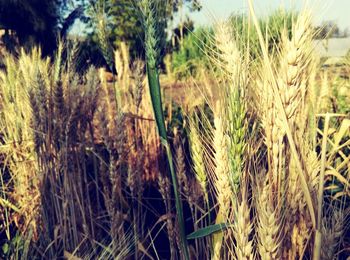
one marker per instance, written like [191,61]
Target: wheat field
[248,159]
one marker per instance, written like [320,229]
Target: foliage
[123,22]
[38,22]
[191,57]
[330,29]
[272,26]
[126,25]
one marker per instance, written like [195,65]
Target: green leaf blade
[206,231]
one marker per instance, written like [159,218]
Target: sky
[322,10]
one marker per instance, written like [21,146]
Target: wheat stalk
[283,116]
[165,191]
[101,21]
[181,170]
[19,141]
[297,64]
[152,29]
[231,64]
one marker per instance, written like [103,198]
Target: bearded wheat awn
[266,60]
[228,144]
[230,62]
[290,80]
[148,7]
[295,67]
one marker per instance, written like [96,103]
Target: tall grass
[257,166]
[20,182]
[287,176]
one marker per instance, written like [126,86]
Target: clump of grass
[20,195]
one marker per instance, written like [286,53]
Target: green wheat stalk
[148,8]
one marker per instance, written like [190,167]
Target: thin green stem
[154,85]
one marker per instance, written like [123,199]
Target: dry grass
[20,192]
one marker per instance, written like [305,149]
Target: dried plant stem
[332,231]
[318,236]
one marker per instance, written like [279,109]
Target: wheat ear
[269,225]
[197,153]
[221,180]
[242,229]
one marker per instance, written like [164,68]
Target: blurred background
[26,23]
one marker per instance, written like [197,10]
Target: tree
[328,29]
[124,20]
[37,21]
[126,25]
